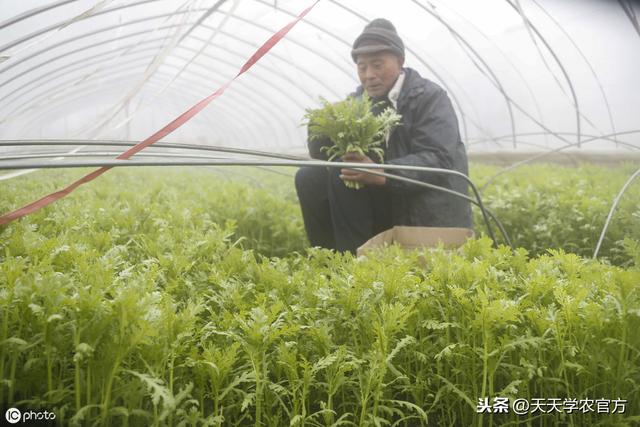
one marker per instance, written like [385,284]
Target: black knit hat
[378,35]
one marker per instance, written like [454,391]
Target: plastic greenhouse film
[166,130]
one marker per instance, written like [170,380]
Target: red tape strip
[173,125]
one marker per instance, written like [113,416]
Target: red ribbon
[173,125]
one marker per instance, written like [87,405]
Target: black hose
[298,163]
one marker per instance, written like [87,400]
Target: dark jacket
[428,136]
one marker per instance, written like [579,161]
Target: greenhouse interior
[320,213]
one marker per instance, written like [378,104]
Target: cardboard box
[418,237]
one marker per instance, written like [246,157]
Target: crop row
[551,207]
[541,206]
[138,301]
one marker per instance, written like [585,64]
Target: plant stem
[485,362]
[77,367]
[106,401]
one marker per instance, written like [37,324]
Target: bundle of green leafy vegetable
[352,128]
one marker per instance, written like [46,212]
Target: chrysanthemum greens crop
[135,302]
[352,128]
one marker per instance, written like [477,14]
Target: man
[341,218]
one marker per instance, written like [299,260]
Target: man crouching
[341,218]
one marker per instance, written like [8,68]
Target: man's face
[378,72]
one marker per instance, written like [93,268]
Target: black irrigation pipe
[110,154]
[119,143]
[478,203]
[294,163]
[150,149]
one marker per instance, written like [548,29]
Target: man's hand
[361,177]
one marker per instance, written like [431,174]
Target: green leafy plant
[545,206]
[352,128]
[138,302]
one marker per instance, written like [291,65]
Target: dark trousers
[338,217]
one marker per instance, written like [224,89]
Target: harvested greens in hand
[351,127]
